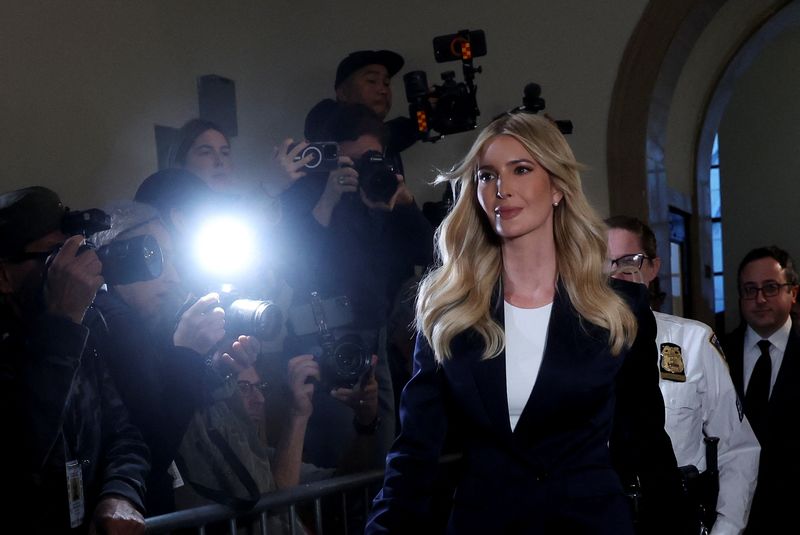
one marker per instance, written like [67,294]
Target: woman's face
[622,243]
[210,158]
[514,191]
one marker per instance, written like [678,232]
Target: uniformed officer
[699,396]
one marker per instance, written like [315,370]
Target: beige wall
[83,82]
[710,55]
[760,161]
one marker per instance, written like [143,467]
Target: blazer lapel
[559,346]
[490,377]
[490,380]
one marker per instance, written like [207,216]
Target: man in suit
[764,358]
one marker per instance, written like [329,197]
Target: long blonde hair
[457,294]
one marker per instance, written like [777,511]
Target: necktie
[757,396]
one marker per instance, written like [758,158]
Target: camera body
[127,261]
[456,108]
[324,156]
[376,176]
[136,259]
[532,102]
[323,328]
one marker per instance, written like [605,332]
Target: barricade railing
[201,517]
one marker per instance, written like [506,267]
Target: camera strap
[241,472]
[319,314]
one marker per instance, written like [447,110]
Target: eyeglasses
[247,388]
[628,261]
[770,289]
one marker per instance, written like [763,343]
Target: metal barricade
[200,518]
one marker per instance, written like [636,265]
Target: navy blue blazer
[778,491]
[555,472]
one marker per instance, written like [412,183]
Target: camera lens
[331,151]
[348,361]
[253,317]
[416,83]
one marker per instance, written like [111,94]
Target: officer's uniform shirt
[777,347]
[700,400]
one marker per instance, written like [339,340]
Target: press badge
[174,473]
[75,493]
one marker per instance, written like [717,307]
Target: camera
[253,317]
[456,108]
[324,156]
[532,102]
[127,261]
[136,259]
[376,176]
[321,328]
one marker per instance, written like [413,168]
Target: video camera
[456,108]
[124,261]
[321,327]
[532,102]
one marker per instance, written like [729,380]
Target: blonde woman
[522,346]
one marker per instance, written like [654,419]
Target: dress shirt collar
[779,338]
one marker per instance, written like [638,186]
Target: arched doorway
[669,96]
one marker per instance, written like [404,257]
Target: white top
[779,339]
[705,404]
[526,335]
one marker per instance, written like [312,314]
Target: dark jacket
[161,385]
[777,493]
[364,254]
[555,472]
[59,404]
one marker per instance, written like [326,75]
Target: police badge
[671,364]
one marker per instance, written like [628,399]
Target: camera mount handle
[319,314]
[469,69]
[466,60]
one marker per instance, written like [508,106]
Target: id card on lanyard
[75,494]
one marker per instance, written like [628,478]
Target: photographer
[159,365]
[202,148]
[178,387]
[363,77]
[356,246]
[186,204]
[73,458]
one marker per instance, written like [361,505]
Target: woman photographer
[529,351]
[202,148]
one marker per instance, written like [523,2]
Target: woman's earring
[555,203]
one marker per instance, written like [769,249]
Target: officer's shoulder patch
[714,341]
[671,363]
